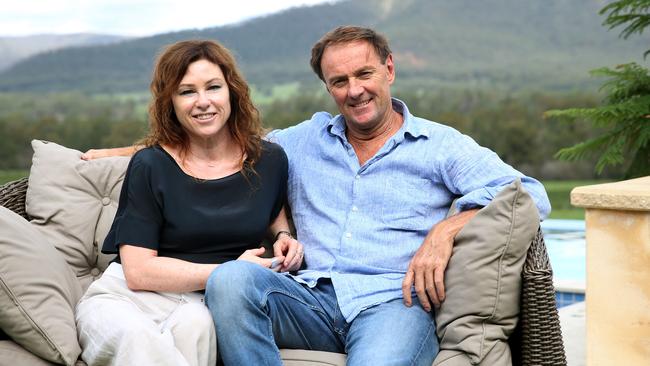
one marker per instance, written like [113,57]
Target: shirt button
[355,209]
[348,235]
[357,176]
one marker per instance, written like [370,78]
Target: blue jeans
[257,311]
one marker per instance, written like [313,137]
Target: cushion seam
[31,321]
[513,215]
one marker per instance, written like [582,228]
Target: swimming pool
[565,243]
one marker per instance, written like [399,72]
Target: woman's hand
[255,256]
[291,250]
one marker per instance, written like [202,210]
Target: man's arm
[115,151]
[427,268]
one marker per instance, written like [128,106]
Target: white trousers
[118,326]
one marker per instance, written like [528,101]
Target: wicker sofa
[537,339]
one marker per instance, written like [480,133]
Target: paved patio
[572,321]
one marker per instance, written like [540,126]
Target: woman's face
[202,101]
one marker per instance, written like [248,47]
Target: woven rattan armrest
[537,341]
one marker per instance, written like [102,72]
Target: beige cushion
[498,355]
[15,355]
[72,202]
[38,292]
[483,281]
[298,357]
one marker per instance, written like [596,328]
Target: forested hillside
[502,44]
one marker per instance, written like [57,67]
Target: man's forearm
[115,151]
[449,227]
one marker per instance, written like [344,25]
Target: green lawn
[558,192]
[12,174]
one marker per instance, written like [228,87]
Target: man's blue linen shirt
[361,225]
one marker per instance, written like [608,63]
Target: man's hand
[291,250]
[427,268]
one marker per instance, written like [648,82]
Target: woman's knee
[118,338]
[194,317]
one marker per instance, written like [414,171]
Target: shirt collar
[336,125]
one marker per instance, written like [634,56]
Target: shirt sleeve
[138,220]
[292,138]
[477,174]
[282,165]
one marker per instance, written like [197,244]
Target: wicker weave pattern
[540,324]
[12,196]
[537,341]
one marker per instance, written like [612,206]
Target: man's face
[359,83]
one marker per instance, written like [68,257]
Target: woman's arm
[145,270]
[115,151]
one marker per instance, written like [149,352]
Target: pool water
[565,243]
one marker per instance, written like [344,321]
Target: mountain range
[492,44]
[16,49]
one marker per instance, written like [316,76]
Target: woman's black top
[201,221]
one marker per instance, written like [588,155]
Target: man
[369,190]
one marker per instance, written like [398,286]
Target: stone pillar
[618,271]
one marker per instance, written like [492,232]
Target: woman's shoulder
[150,152]
[272,154]
[272,149]
[151,156]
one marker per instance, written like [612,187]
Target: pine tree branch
[634,13]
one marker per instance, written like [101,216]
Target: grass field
[558,192]
[13,174]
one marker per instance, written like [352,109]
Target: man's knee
[371,339]
[418,352]
[233,281]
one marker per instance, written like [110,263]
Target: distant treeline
[74,120]
[511,125]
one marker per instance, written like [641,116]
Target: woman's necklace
[210,169]
[208,163]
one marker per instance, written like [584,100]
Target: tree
[624,115]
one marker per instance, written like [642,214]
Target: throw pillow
[38,292]
[483,281]
[72,202]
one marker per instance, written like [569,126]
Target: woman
[206,189]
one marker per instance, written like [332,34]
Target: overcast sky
[130,17]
